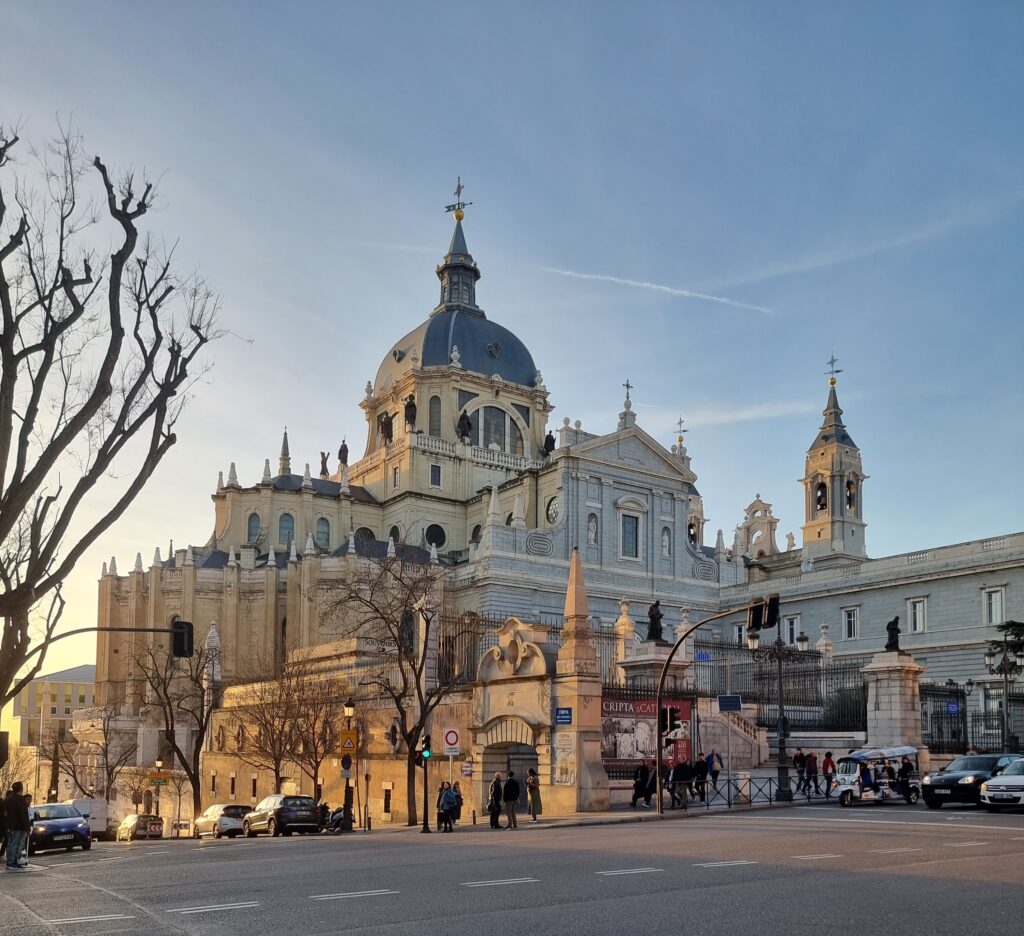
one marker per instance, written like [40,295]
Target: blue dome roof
[485,347]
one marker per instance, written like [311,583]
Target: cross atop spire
[833,370]
[628,387]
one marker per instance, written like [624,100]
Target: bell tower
[833,485]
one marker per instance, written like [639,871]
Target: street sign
[563,716]
[730,703]
[346,761]
[346,774]
[451,742]
[953,708]
[159,778]
[348,741]
[467,768]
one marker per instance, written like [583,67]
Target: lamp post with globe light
[1006,667]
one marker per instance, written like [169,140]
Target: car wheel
[196,834]
[845,798]
[247,830]
[992,808]
[86,845]
[272,828]
[912,797]
[216,831]
[931,804]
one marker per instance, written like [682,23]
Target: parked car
[140,827]
[220,819]
[1006,789]
[57,825]
[960,781]
[95,810]
[280,813]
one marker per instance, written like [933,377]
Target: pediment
[633,446]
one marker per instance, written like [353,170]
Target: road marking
[892,851]
[814,857]
[629,871]
[733,820]
[722,864]
[114,858]
[94,919]
[372,893]
[497,883]
[246,905]
[964,844]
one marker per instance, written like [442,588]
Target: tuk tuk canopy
[876,754]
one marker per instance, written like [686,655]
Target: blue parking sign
[563,716]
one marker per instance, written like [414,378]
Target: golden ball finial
[831,381]
[459,214]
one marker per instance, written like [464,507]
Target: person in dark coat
[641,778]
[510,796]
[494,795]
[679,784]
[457,814]
[18,826]
[3,824]
[811,773]
[700,777]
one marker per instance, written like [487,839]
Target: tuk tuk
[879,775]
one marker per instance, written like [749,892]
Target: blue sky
[847,176]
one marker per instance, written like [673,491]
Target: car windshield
[56,811]
[1016,769]
[972,763]
[299,802]
[236,812]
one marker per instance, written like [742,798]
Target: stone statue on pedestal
[343,452]
[410,412]
[892,645]
[654,616]
[464,428]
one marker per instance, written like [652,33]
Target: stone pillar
[894,699]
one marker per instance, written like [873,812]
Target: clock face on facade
[553,511]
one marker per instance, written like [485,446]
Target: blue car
[57,825]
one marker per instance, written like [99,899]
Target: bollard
[369,822]
[474,817]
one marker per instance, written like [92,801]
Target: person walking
[811,773]
[700,777]
[510,796]
[448,800]
[798,763]
[828,772]
[494,794]
[714,767]
[640,777]
[3,823]
[679,783]
[458,802]
[18,827]
[533,794]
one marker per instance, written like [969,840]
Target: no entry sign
[451,742]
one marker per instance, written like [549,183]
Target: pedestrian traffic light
[771,612]
[181,639]
[425,748]
[755,615]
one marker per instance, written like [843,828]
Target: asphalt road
[799,870]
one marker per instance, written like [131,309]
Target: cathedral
[460,461]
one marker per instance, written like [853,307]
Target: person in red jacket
[828,773]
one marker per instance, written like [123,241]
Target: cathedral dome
[484,347]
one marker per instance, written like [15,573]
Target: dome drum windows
[434,417]
[323,533]
[286,529]
[252,532]
[497,429]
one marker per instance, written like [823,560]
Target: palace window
[917,610]
[323,533]
[396,474]
[253,532]
[630,543]
[791,628]
[434,420]
[993,606]
[851,623]
[286,529]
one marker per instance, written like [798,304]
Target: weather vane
[832,369]
[459,206]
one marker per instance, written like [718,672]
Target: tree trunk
[410,782]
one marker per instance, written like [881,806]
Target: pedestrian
[510,797]
[448,800]
[714,767]
[533,794]
[18,827]
[700,777]
[828,772]
[652,783]
[439,809]
[3,824]
[494,794]
[679,783]
[798,763]
[811,773]
[906,773]
[325,814]
[458,802]
[640,777]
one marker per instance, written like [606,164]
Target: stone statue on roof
[343,452]
[410,412]
[324,473]
[464,428]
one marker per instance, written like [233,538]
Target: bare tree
[319,710]
[268,712]
[179,783]
[95,752]
[133,783]
[20,765]
[95,355]
[395,603]
[183,693]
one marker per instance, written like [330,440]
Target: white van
[95,812]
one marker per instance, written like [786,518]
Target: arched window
[516,438]
[434,414]
[508,520]
[253,532]
[286,529]
[691,533]
[477,534]
[395,534]
[851,495]
[821,496]
[364,537]
[323,533]
[494,427]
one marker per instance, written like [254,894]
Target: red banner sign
[629,732]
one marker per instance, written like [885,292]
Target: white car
[220,819]
[1005,789]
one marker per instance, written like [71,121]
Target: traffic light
[755,615]
[668,723]
[181,639]
[423,754]
[771,612]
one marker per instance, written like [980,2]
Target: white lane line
[722,864]
[814,857]
[629,871]
[94,919]
[498,883]
[892,851]
[246,905]
[114,858]
[372,893]
[964,844]
[766,820]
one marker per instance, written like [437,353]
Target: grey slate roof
[293,482]
[832,429]
[86,673]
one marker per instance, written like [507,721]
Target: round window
[435,536]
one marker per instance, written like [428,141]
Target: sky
[707,199]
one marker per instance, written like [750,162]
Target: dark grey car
[280,813]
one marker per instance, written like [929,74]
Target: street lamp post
[779,652]
[159,765]
[1006,667]
[346,808]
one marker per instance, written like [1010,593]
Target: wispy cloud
[727,415]
[657,287]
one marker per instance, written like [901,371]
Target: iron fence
[987,728]
[944,726]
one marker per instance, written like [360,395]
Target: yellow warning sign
[348,741]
